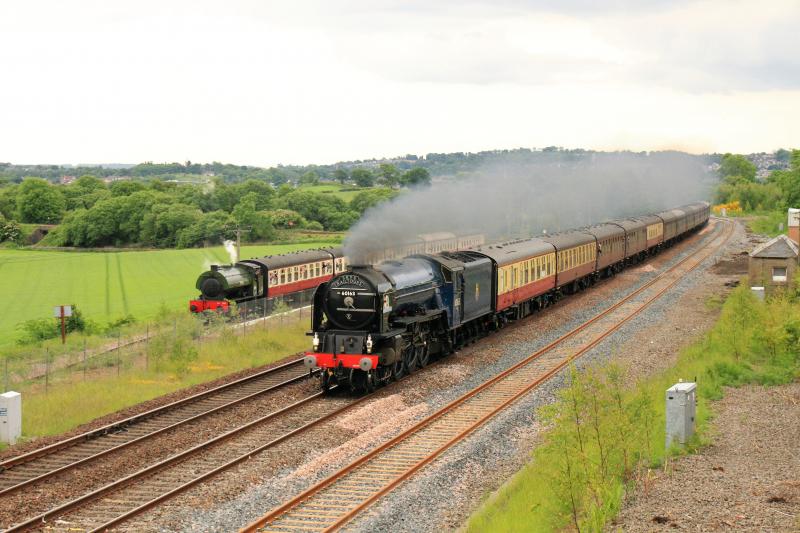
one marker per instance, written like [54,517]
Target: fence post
[244,324]
[264,319]
[146,346]
[46,369]
[5,388]
[119,334]
[84,359]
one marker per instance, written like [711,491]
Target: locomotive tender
[373,324]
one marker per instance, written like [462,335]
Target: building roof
[781,247]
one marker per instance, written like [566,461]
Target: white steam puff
[230,246]
[523,200]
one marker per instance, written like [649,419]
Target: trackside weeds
[604,436]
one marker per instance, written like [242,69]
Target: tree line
[362,173]
[156,213]
[780,190]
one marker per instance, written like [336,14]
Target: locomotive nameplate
[354,282]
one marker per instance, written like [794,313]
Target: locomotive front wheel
[370,381]
[358,381]
[324,382]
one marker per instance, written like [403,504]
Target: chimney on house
[794,224]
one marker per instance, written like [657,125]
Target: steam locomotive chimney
[794,224]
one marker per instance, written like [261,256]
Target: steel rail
[393,473]
[175,459]
[125,424]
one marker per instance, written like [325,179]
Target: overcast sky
[260,82]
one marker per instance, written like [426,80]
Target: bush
[10,231]
[42,329]
[119,323]
[314,225]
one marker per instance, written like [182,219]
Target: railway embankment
[443,495]
[602,463]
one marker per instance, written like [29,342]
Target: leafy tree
[85,192]
[367,199]
[264,191]
[310,178]
[362,177]
[328,210]
[125,187]
[735,166]
[341,175]
[8,201]
[216,226]
[416,176]
[160,227]
[39,202]
[88,183]
[388,174]
[782,155]
[286,218]
[751,195]
[789,181]
[248,216]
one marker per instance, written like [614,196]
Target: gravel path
[747,480]
[444,494]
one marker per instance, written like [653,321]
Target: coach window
[283,276]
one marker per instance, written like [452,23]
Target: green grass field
[335,189]
[107,285]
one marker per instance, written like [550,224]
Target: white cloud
[300,82]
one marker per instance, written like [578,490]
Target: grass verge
[603,436]
[174,358]
[768,223]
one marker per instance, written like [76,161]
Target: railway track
[334,502]
[38,465]
[117,502]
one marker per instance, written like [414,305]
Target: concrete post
[10,417]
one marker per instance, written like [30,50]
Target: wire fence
[169,344]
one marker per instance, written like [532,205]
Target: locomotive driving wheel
[410,359]
[398,369]
[423,355]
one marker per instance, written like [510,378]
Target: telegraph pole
[239,231]
[238,243]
